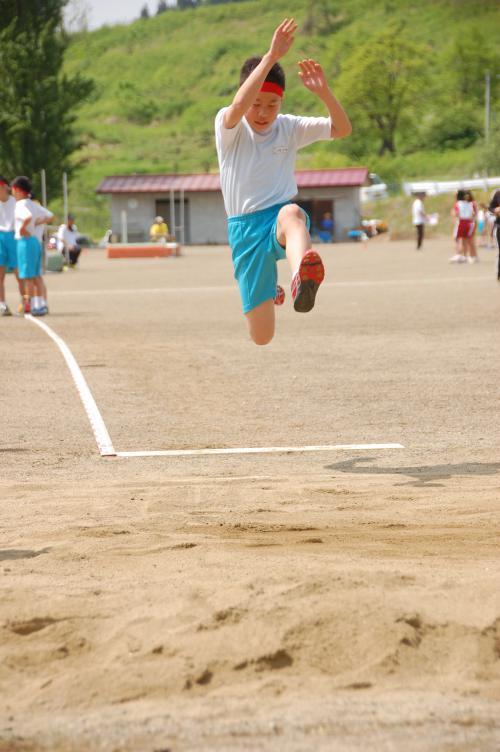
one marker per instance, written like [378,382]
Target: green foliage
[39,101]
[322,17]
[135,105]
[470,54]
[455,127]
[177,69]
[385,79]
[488,156]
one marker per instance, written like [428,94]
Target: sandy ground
[344,600]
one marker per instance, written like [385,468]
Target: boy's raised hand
[283,39]
[313,77]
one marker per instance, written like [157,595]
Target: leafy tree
[39,101]
[383,85]
[162,7]
[467,59]
[144,12]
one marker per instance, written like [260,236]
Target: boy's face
[18,193]
[264,111]
[4,192]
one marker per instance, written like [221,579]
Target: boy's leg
[292,234]
[2,284]
[260,322]
[307,267]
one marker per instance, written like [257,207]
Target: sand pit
[343,600]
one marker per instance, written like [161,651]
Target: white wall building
[193,208]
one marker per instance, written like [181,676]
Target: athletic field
[342,595]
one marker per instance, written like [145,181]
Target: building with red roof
[192,204]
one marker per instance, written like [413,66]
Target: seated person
[67,241]
[159,229]
[326,228]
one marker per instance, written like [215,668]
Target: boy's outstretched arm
[314,79]
[247,93]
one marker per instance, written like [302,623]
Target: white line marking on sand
[105,444]
[101,434]
[256,450]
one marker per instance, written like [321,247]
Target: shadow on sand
[424,476]
[10,554]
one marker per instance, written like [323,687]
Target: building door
[163,210]
[317,208]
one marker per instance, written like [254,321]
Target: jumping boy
[28,216]
[8,255]
[256,148]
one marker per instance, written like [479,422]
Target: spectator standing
[419,218]
[28,216]
[464,212]
[494,208]
[470,242]
[8,254]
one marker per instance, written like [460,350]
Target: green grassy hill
[159,83]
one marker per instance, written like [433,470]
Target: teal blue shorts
[8,250]
[255,250]
[29,257]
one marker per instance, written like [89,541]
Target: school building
[192,205]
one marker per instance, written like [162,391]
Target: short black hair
[23,183]
[275,76]
[460,194]
[4,180]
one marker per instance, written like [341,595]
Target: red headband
[272,88]
[2,182]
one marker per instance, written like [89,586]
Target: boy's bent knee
[291,212]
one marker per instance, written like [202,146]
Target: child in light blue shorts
[28,216]
[257,148]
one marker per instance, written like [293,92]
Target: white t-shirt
[27,208]
[257,169]
[418,212]
[465,209]
[7,209]
[66,237]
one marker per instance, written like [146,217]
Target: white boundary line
[101,434]
[105,444]
[256,450]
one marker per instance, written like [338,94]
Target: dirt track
[343,600]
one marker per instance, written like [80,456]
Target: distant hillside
[160,81]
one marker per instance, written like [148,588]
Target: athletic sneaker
[25,305]
[5,310]
[457,259]
[42,311]
[473,260]
[279,298]
[306,282]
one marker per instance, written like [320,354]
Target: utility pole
[487,105]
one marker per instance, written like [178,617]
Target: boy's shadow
[425,476]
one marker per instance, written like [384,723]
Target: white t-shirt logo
[280,149]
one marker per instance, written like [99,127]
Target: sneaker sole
[311,275]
